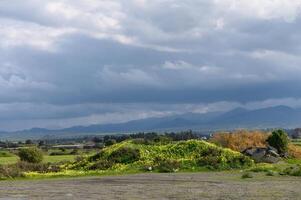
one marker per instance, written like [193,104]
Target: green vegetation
[9,160]
[110,142]
[176,156]
[153,153]
[5,154]
[279,140]
[271,173]
[31,155]
[247,175]
[52,159]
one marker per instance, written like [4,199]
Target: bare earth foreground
[211,185]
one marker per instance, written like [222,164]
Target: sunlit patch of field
[53,159]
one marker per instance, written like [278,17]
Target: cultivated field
[205,185]
[51,159]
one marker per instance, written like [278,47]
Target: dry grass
[241,139]
[294,151]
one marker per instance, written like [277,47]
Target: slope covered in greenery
[191,155]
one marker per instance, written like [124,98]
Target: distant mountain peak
[269,117]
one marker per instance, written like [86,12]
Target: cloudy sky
[80,62]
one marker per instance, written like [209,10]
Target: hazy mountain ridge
[271,117]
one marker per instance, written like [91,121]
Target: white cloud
[263,9]
[215,54]
[17,33]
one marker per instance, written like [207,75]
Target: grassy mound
[192,155]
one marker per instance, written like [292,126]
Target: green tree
[31,155]
[110,142]
[279,140]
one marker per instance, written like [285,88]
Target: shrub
[162,139]
[240,140]
[239,162]
[74,152]
[37,167]
[263,167]
[216,158]
[81,162]
[211,151]
[142,141]
[279,140]
[101,165]
[247,175]
[58,153]
[10,171]
[19,169]
[96,156]
[271,173]
[214,162]
[166,165]
[124,155]
[31,155]
[292,171]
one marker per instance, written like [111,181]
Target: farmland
[52,159]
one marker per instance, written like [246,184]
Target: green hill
[138,155]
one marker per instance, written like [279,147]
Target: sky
[81,62]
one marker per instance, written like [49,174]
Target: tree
[297,133]
[279,140]
[28,142]
[110,142]
[31,155]
[41,143]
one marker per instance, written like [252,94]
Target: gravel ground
[156,186]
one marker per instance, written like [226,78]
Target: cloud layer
[72,62]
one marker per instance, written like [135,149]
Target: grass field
[52,159]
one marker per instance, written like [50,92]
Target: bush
[125,155]
[292,171]
[240,140]
[10,171]
[96,156]
[263,167]
[216,158]
[37,167]
[101,165]
[247,175]
[279,140]
[31,155]
[19,169]
[211,151]
[239,162]
[162,139]
[59,153]
[142,141]
[271,173]
[214,162]
[166,165]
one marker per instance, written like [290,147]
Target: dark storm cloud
[81,62]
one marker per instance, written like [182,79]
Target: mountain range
[271,117]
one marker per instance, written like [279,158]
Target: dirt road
[156,186]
